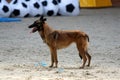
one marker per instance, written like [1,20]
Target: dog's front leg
[52,60]
[53,57]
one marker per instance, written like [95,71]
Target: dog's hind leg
[82,54]
[88,57]
[78,51]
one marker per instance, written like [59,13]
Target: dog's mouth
[34,29]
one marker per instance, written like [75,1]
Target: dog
[58,39]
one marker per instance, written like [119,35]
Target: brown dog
[58,39]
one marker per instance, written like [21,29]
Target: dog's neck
[45,32]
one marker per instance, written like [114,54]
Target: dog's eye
[35,22]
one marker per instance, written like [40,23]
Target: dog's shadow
[71,69]
[77,68]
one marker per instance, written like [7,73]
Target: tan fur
[58,39]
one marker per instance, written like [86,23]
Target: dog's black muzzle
[31,26]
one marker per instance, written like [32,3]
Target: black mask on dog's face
[38,24]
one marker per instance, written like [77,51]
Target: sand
[24,56]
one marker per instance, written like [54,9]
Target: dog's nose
[30,26]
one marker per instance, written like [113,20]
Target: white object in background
[19,8]
[36,8]
[69,7]
[50,7]
[5,9]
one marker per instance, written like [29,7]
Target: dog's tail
[87,37]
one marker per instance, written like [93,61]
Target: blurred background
[35,8]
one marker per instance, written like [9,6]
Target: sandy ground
[24,56]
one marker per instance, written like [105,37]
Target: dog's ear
[41,18]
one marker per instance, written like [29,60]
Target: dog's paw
[81,67]
[51,66]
